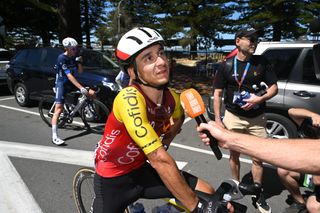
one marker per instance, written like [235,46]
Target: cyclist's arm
[169,173]
[80,68]
[299,114]
[74,81]
[90,93]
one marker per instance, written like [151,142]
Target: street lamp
[119,17]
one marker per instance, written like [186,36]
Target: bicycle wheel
[94,115]
[83,192]
[46,111]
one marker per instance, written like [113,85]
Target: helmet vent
[135,39]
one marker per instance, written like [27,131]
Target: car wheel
[279,126]
[21,94]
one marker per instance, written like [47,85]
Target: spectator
[245,70]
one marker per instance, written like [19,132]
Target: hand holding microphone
[192,103]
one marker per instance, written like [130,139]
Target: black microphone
[194,107]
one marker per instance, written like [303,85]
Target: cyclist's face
[153,65]
[73,51]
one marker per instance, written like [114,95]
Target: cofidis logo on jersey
[133,111]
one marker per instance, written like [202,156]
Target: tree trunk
[276,32]
[69,19]
[87,24]
[193,47]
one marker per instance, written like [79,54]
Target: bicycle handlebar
[228,189]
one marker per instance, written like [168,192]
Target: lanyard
[235,72]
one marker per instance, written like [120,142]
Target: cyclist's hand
[79,59]
[316,120]
[91,93]
[213,206]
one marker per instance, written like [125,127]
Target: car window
[5,55]
[309,75]
[96,59]
[34,57]
[282,61]
[20,57]
[51,56]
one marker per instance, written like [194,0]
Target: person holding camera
[236,76]
[67,64]
[308,127]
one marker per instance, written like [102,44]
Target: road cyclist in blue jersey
[67,64]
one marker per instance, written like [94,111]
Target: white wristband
[84,91]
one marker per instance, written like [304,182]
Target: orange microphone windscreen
[192,103]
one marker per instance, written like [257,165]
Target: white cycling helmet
[134,41]
[69,42]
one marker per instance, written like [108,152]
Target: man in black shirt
[238,75]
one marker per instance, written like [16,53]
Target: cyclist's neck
[153,94]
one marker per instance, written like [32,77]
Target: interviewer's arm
[301,155]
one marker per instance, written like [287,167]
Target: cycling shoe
[250,189]
[57,141]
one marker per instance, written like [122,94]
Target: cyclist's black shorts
[113,195]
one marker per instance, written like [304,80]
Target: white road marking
[34,113]
[186,120]
[53,154]
[20,110]
[15,196]
[4,99]
[244,160]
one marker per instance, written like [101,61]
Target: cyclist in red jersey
[145,118]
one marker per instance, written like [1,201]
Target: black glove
[211,206]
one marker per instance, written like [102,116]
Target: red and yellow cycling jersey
[133,130]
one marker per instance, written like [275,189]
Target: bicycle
[83,193]
[92,112]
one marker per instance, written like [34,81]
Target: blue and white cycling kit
[64,66]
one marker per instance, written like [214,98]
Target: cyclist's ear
[131,73]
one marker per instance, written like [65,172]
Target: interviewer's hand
[218,132]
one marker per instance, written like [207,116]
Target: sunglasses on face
[252,39]
[74,49]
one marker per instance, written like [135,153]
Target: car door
[303,87]
[282,61]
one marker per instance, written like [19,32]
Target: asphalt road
[37,175]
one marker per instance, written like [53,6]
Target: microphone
[192,103]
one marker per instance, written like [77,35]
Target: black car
[31,74]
